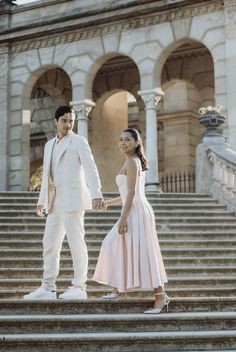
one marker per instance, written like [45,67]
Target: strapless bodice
[121,181]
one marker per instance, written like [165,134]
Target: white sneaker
[41,293]
[73,293]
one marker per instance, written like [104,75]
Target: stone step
[199,271]
[15,194]
[103,323]
[96,243]
[115,213]
[197,236]
[134,303]
[37,244]
[110,221]
[173,282]
[167,207]
[121,341]
[35,194]
[183,251]
[218,234]
[196,226]
[219,260]
[151,198]
[183,292]
[106,227]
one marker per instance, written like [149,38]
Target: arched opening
[118,106]
[52,88]
[187,80]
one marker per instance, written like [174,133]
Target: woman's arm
[113,201]
[131,172]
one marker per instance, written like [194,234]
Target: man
[70,180]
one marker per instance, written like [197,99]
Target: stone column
[4,113]
[151,97]
[19,150]
[25,148]
[83,108]
[230,45]
[211,138]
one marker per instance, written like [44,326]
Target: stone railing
[222,160]
[216,162]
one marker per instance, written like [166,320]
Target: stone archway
[51,89]
[110,116]
[187,79]
[118,106]
[191,61]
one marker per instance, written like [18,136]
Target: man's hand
[40,210]
[98,204]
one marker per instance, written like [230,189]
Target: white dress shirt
[58,144]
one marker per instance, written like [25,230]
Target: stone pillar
[83,108]
[19,151]
[211,138]
[25,148]
[4,93]
[230,45]
[151,97]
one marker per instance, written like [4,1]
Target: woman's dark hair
[139,149]
[64,109]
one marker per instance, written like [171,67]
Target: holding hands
[40,211]
[99,204]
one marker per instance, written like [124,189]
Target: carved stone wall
[46,36]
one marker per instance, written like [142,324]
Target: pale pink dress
[132,260]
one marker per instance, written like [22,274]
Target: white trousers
[58,224]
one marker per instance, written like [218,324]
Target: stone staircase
[198,241]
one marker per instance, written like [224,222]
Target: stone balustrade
[216,172]
[215,159]
[223,161]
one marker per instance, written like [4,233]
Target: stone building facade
[139,63]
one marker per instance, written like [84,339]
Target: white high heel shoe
[158,310]
[112,295]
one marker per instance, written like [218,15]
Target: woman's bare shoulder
[132,164]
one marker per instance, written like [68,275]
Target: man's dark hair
[64,109]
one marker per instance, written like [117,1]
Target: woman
[130,255]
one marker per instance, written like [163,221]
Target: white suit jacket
[77,176]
